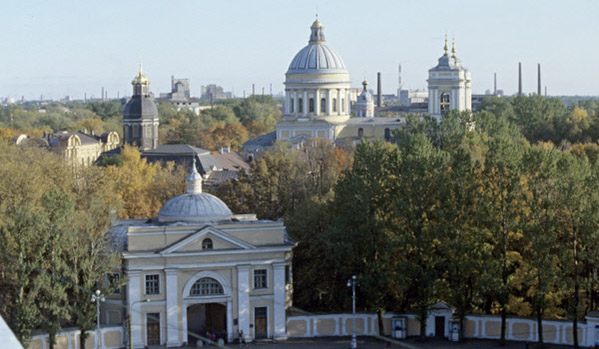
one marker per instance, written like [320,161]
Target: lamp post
[98,297]
[129,321]
[352,283]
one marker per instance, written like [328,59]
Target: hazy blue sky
[69,47]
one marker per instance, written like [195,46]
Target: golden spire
[445,47]
[453,46]
[140,78]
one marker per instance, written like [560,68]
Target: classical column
[338,101]
[317,102]
[172,306]
[230,319]
[329,103]
[287,91]
[133,295]
[243,299]
[280,332]
[305,103]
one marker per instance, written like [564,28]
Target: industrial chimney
[495,84]
[519,79]
[379,96]
[539,80]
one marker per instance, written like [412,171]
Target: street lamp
[129,320]
[352,283]
[98,297]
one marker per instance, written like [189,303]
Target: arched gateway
[207,307]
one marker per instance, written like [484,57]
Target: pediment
[220,241]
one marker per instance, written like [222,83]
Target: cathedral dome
[194,206]
[317,57]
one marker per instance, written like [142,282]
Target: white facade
[317,88]
[365,103]
[449,85]
[199,268]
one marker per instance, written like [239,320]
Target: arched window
[323,105]
[300,105]
[206,287]
[444,101]
[360,132]
[207,244]
[335,105]
[311,105]
[387,134]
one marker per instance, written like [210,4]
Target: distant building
[408,98]
[364,106]
[180,96]
[77,148]
[213,91]
[449,85]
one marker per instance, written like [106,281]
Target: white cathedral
[317,96]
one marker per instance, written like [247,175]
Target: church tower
[365,103]
[449,85]
[140,122]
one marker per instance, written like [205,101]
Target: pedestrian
[241,339]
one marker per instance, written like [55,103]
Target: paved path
[371,343]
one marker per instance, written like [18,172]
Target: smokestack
[379,96]
[539,80]
[85,97]
[253,89]
[519,79]
[495,84]
[102,92]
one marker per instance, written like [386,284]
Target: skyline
[72,48]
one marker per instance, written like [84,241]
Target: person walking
[241,339]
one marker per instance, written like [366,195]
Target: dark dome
[141,108]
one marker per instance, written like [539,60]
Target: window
[300,105]
[206,287]
[444,101]
[323,105]
[334,104]
[287,274]
[291,106]
[153,284]
[113,279]
[311,105]
[260,278]
[360,132]
[207,244]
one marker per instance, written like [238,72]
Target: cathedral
[317,99]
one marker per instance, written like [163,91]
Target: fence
[111,338]
[475,326]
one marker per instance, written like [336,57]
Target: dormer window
[207,244]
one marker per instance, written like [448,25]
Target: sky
[72,47]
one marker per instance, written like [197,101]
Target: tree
[361,231]
[501,210]
[540,235]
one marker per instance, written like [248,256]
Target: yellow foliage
[144,187]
